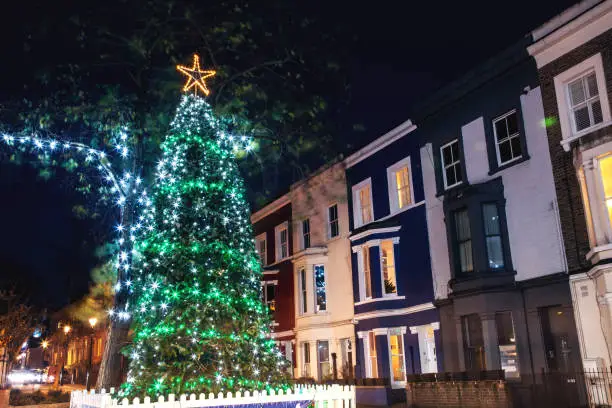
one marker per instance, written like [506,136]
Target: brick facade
[571,209]
[465,394]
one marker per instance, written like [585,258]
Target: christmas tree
[199,324]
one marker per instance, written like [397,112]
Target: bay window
[396,351]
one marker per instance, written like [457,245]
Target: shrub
[18,397]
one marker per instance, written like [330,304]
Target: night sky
[404,51]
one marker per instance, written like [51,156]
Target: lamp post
[92,323]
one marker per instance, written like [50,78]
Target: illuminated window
[320,289]
[451,164]
[269,295]
[372,357]
[506,340]
[396,350]
[507,138]
[362,203]
[367,276]
[605,166]
[260,243]
[400,185]
[388,267]
[584,102]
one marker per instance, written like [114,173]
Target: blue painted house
[396,320]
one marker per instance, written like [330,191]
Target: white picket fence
[323,396]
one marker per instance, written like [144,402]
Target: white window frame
[445,165]
[561,81]
[277,234]
[329,230]
[392,185]
[359,251]
[303,359]
[303,309]
[357,202]
[394,241]
[259,238]
[314,288]
[365,338]
[399,331]
[517,135]
[302,234]
[264,285]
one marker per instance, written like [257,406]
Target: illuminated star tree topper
[196,77]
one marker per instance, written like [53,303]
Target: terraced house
[574,57]
[497,255]
[397,323]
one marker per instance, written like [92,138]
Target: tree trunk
[111,370]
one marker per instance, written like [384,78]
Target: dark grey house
[498,262]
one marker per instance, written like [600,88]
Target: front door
[431,360]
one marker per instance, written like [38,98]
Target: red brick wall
[464,394]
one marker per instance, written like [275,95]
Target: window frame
[303,234]
[328,361]
[303,291]
[500,235]
[361,252]
[367,343]
[314,285]
[516,135]
[456,244]
[278,235]
[305,345]
[357,213]
[262,238]
[392,189]
[329,221]
[457,162]
[264,287]
[396,331]
[393,241]
[561,82]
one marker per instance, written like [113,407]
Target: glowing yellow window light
[605,166]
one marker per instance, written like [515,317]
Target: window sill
[337,237]
[310,314]
[456,187]
[509,164]
[566,142]
[380,299]
[401,210]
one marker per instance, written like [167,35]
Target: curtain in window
[464,240]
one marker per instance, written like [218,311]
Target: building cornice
[380,143]
[270,208]
[374,231]
[569,30]
[394,312]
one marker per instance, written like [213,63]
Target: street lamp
[92,323]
